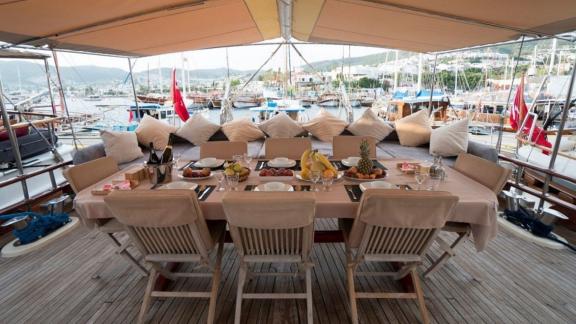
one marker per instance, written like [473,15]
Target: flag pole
[501,125]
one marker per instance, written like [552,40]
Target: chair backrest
[162,222]
[483,171]
[345,146]
[223,149]
[271,223]
[398,222]
[86,174]
[291,148]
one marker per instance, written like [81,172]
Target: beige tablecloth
[477,205]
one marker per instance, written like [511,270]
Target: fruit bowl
[376,173]
[236,168]
[243,175]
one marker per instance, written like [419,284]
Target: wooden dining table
[477,204]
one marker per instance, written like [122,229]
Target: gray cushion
[89,153]
[482,150]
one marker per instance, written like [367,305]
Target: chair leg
[420,296]
[239,293]
[126,255]
[215,283]
[309,304]
[448,252]
[352,293]
[147,297]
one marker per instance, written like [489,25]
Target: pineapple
[365,164]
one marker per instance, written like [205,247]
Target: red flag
[177,101]
[131,115]
[519,109]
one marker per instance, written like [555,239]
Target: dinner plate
[377,185]
[274,186]
[180,176]
[281,164]
[351,161]
[179,185]
[338,177]
[208,163]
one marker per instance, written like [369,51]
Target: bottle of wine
[167,154]
[153,158]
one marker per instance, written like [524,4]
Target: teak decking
[523,283]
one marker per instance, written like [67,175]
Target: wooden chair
[345,146]
[167,226]
[486,173]
[271,227]
[393,226]
[291,148]
[223,149]
[83,176]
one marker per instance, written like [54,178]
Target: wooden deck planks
[523,283]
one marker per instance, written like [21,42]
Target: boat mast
[456,76]
[134,88]
[419,87]
[395,70]
[63,97]
[160,77]
[552,56]
[47,70]
[432,86]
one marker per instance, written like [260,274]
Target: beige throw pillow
[414,129]
[325,126]
[152,130]
[121,146]
[242,130]
[281,126]
[370,125]
[197,130]
[450,140]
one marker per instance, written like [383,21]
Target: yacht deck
[523,283]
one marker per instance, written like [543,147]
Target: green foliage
[234,83]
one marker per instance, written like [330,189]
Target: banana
[304,160]
[322,159]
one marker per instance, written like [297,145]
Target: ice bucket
[159,173]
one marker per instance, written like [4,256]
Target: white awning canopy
[152,27]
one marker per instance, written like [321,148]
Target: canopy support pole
[13,141]
[47,70]
[63,98]
[134,90]
[430,109]
[501,125]
[556,148]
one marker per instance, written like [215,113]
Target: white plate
[205,164]
[338,177]
[281,164]
[350,163]
[180,176]
[274,186]
[377,185]
[275,178]
[179,185]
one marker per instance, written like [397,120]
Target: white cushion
[325,126]
[152,130]
[370,125]
[281,126]
[414,129]
[450,140]
[121,146]
[242,130]
[197,129]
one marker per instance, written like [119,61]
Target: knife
[208,189]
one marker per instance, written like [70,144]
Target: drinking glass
[247,159]
[221,181]
[327,182]
[420,176]
[232,182]
[238,158]
[315,178]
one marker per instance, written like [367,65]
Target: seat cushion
[242,130]
[370,125]
[197,129]
[450,140]
[151,130]
[414,129]
[121,146]
[325,126]
[281,126]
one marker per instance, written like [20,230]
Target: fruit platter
[313,161]
[191,174]
[365,169]
[276,174]
[237,168]
[408,167]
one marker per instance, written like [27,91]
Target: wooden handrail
[536,168]
[33,174]
[547,197]
[29,113]
[35,122]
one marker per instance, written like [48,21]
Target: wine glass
[247,159]
[232,181]
[420,176]
[315,177]
[327,182]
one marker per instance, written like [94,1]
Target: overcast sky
[242,58]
